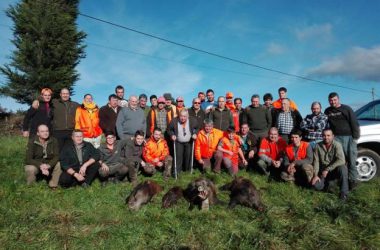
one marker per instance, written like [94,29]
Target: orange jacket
[155,149]
[205,145]
[277,104]
[274,150]
[302,151]
[88,122]
[233,146]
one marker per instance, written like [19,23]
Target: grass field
[37,218]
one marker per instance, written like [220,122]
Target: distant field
[296,218]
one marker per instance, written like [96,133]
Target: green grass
[296,218]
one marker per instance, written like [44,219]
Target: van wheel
[367,164]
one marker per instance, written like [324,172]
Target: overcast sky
[332,41]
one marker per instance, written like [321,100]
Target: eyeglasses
[161,103]
[110,137]
[179,101]
[196,103]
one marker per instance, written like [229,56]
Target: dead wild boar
[244,193]
[172,196]
[202,193]
[142,194]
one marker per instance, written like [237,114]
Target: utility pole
[373,94]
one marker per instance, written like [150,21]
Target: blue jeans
[351,153]
[339,173]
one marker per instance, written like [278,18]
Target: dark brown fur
[172,196]
[201,192]
[142,194]
[244,193]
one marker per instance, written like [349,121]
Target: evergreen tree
[48,48]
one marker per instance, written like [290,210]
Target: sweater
[342,121]
[259,119]
[222,118]
[129,121]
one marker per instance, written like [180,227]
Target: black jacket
[343,121]
[297,118]
[35,117]
[222,119]
[107,118]
[173,128]
[69,158]
[199,116]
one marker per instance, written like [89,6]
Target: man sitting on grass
[329,164]
[42,158]
[79,162]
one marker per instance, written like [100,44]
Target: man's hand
[105,168]
[25,134]
[230,152]
[143,164]
[174,137]
[201,162]
[245,162]
[325,173]
[44,169]
[315,180]
[194,137]
[276,164]
[155,160]
[82,170]
[79,177]
[251,154]
[160,164]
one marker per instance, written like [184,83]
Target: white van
[368,161]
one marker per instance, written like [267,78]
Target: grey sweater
[129,121]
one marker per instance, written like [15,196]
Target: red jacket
[273,150]
[155,149]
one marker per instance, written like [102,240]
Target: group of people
[65,138]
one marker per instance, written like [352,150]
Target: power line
[218,55]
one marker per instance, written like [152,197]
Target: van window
[371,113]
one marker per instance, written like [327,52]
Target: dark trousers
[339,173]
[62,136]
[67,180]
[183,155]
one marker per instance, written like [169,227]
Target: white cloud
[358,63]
[275,48]
[319,31]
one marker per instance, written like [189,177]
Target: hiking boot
[343,197]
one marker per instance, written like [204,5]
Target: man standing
[298,160]
[208,105]
[202,96]
[196,112]
[182,131]
[87,120]
[156,155]
[329,164]
[343,123]
[268,99]
[112,164]
[313,124]
[108,115]
[282,93]
[153,101]
[159,118]
[271,152]
[130,119]
[206,145]
[79,161]
[42,158]
[143,99]
[259,118]
[221,116]
[286,119]
[249,144]
[119,91]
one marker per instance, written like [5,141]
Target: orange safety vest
[169,117]
[155,149]
[205,145]
[277,104]
[88,122]
[272,149]
[233,146]
[301,154]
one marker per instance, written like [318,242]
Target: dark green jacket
[36,155]
[64,114]
[69,158]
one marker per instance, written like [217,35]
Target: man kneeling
[156,155]
[79,162]
[298,160]
[329,164]
[42,158]
[112,164]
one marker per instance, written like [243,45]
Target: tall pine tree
[48,48]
